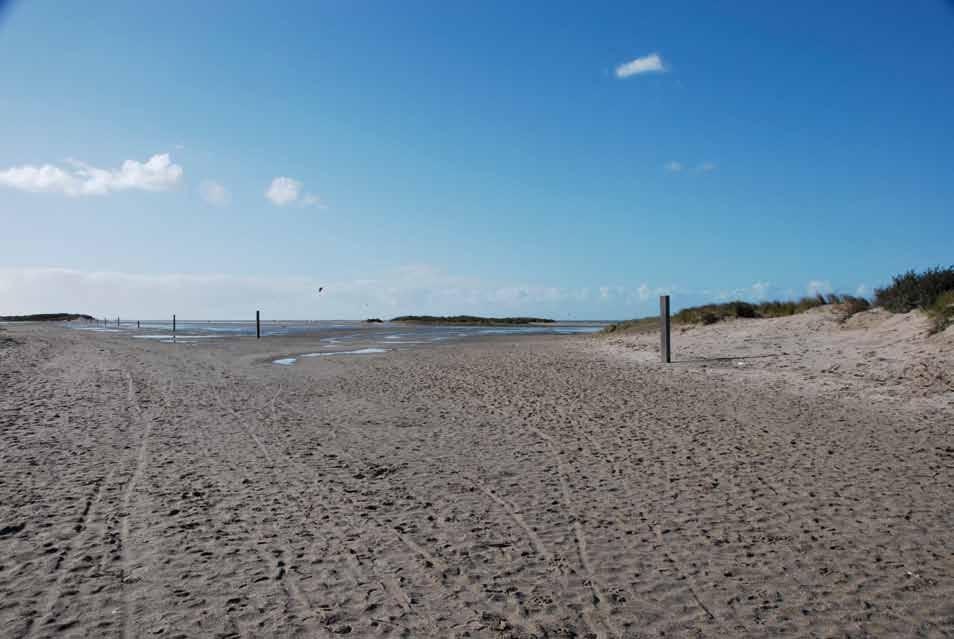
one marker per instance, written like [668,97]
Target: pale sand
[544,487]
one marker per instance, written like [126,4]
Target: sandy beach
[791,477]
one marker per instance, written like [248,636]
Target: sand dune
[531,487]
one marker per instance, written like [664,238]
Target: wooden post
[258,325]
[664,350]
[173,324]
[137,323]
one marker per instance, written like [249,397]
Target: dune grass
[932,291]
[641,325]
[847,305]
[941,311]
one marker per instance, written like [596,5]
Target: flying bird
[321,288]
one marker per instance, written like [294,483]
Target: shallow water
[334,329]
[288,361]
[177,336]
[360,351]
[334,334]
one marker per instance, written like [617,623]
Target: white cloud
[646,292]
[418,289]
[675,167]
[818,286]
[158,173]
[214,193]
[760,290]
[651,63]
[862,291]
[283,190]
[312,200]
[390,292]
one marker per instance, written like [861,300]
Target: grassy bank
[46,317]
[712,313]
[931,291]
[848,305]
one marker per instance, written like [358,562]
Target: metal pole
[173,323]
[258,325]
[664,350]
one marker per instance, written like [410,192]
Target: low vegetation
[641,325]
[848,305]
[931,291]
[470,319]
[942,311]
[374,320]
[46,317]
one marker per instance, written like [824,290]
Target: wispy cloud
[387,292]
[285,190]
[674,166]
[214,193]
[651,63]
[760,290]
[312,200]
[757,292]
[815,287]
[158,173]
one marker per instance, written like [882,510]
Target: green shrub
[942,311]
[744,309]
[642,325]
[915,290]
[850,305]
[712,313]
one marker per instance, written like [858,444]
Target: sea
[337,337]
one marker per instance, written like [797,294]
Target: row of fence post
[258,324]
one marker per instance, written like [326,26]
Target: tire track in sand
[142,460]
[514,514]
[63,562]
[294,593]
[598,611]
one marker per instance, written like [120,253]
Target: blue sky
[467,157]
